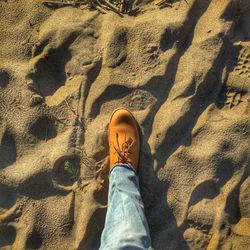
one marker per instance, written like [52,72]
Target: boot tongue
[123,150]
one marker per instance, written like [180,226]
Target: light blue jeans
[126,226]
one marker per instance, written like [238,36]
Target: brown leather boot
[124,139]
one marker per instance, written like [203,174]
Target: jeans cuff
[124,165]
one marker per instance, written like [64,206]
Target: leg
[126,225]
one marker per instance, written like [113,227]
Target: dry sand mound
[184,71]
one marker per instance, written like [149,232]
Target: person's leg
[126,226]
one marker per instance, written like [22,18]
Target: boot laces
[124,151]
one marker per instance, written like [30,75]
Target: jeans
[126,226]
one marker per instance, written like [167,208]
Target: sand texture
[183,70]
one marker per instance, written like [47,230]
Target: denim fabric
[126,226]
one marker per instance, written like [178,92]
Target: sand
[183,70]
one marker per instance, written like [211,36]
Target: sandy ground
[184,71]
